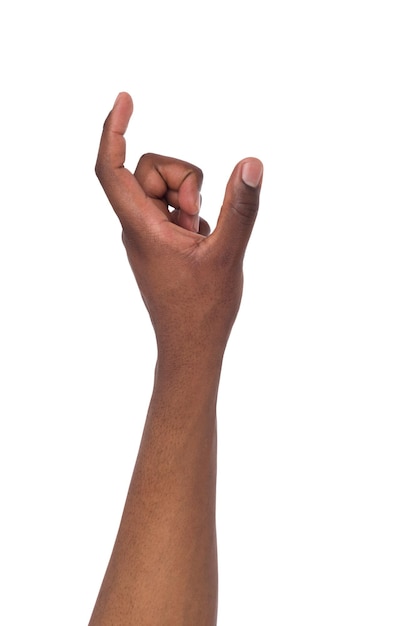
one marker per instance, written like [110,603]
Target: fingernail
[252,173]
[196,223]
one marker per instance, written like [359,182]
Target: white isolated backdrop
[317,409]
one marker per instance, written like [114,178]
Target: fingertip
[189,222]
[120,114]
[123,99]
[252,172]
[196,223]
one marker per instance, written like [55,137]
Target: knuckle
[192,173]
[245,209]
[148,157]
[102,169]
[147,162]
[99,169]
[198,173]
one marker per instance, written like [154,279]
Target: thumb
[240,207]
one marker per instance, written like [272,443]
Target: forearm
[163,569]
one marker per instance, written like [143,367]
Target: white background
[317,510]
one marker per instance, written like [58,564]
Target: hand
[190,280]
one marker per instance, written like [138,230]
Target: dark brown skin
[163,569]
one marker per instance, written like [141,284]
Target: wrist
[191,351]
[192,362]
[187,366]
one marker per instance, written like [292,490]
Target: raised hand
[190,280]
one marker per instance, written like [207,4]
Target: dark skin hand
[163,569]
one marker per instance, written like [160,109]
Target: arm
[163,569]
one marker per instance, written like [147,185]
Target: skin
[163,568]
